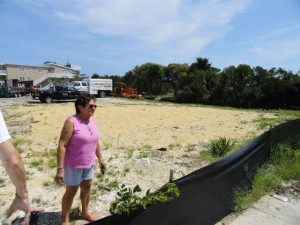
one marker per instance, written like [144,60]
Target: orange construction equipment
[121,90]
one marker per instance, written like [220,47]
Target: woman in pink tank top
[77,151]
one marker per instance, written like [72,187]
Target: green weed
[2,182]
[284,164]
[220,147]
[130,151]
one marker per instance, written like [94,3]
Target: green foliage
[52,163]
[113,184]
[128,201]
[267,122]
[220,147]
[284,164]
[17,142]
[207,156]
[50,153]
[130,151]
[107,144]
[286,160]
[2,182]
[174,146]
[37,163]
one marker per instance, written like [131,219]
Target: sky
[112,37]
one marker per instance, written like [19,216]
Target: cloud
[153,22]
[278,44]
[278,51]
[141,30]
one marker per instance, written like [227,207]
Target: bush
[220,147]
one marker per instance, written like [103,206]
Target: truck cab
[80,86]
[99,87]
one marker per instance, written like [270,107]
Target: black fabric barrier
[206,194]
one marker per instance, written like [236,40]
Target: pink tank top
[81,149]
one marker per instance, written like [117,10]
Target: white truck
[98,87]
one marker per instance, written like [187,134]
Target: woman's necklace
[87,122]
[90,128]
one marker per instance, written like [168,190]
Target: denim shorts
[74,177]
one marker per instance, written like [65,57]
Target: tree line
[200,82]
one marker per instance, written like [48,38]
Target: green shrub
[220,147]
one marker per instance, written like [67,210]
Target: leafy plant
[128,201]
[220,147]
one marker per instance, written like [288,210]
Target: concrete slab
[268,211]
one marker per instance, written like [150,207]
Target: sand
[133,133]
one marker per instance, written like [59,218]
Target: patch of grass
[49,183]
[284,165]
[174,146]
[20,150]
[144,154]
[2,182]
[126,170]
[17,142]
[146,147]
[50,153]
[107,144]
[28,105]
[207,156]
[37,163]
[267,122]
[52,163]
[190,148]
[37,201]
[220,147]
[130,151]
[113,184]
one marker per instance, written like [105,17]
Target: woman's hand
[59,177]
[102,165]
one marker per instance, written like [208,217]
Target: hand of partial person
[59,177]
[23,205]
[20,204]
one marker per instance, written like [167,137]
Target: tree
[173,73]
[200,64]
[149,78]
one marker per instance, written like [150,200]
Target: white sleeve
[4,135]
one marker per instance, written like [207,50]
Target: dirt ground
[133,135]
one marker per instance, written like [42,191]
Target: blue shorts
[74,177]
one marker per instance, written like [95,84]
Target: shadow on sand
[46,218]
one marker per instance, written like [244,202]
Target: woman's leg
[67,201]
[85,193]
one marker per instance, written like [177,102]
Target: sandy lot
[132,132]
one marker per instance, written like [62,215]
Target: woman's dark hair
[83,100]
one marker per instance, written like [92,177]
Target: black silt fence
[207,194]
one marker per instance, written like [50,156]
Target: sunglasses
[91,106]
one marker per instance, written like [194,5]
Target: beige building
[37,74]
